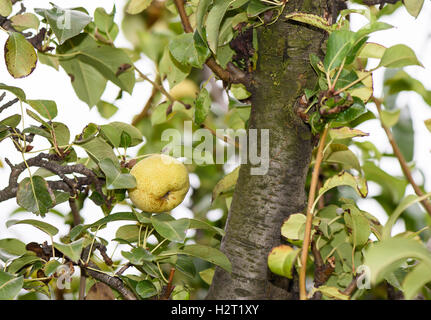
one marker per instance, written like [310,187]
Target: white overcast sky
[47,83]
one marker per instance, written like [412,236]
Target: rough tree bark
[261,203]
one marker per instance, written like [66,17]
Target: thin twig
[8,104]
[351,287]
[144,113]
[309,218]
[169,287]
[114,282]
[50,162]
[403,163]
[75,212]
[233,74]
[123,268]
[155,84]
[224,138]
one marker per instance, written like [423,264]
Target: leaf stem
[158,246]
[309,215]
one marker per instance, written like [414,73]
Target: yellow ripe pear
[161,183]
[185,89]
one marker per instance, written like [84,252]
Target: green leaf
[87,82]
[339,44]
[311,19]
[281,260]
[104,21]
[10,286]
[202,107]
[392,186]
[23,261]
[201,11]
[129,232]
[209,254]
[404,204]
[99,150]
[415,280]
[20,56]
[198,224]
[413,7]
[118,216]
[34,195]
[257,7]
[146,289]
[12,121]
[18,92]
[189,49]
[5,8]
[403,132]
[172,69]
[399,56]
[346,133]
[428,124]
[293,228]
[169,228]
[49,60]
[137,6]
[114,130]
[207,275]
[137,256]
[106,109]
[158,115]
[332,292]
[43,226]
[358,226]
[51,267]
[227,28]
[372,50]
[185,265]
[344,178]
[113,63]
[341,154]
[72,250]
[390,118]
[65,23]
[353,112]
[62,134]
[12,246]
[115,179]
[226,185]
[239,91]
[25,21]
[402,81]
[387,255]
[46,108]
[214,19]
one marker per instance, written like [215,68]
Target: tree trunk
[261,203]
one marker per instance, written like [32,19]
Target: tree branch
[144,113]
[403,163]
[309,219]
[232,74]
[114,282]
[49,162]
[7,104]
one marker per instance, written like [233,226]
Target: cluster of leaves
[27,269]
[344,85]
[342,251]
